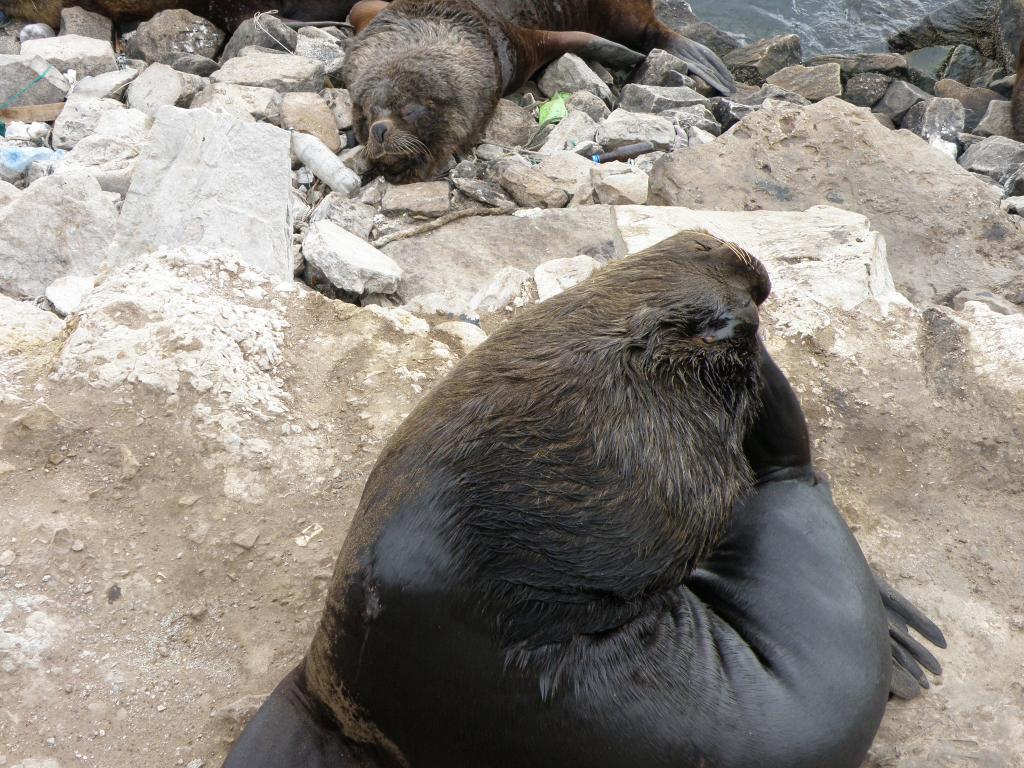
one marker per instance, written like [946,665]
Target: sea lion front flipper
[538,47]
[364,11]
[909,656]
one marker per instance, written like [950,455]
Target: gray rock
[813,83]
[729,112]
[59,226]
[570,172]
[926,65]
[351,215]
[316,44]
[507,286]
[308,113]
[169,34]
[160,86]
[867,89]
[997,304]
[655,98]
[935,119]
[17,72]
[486,192]
[575,128]
[996,157]
[1014,184]
[975,100]
[78,119]
[661,68]
[899,97]
[769,92]
[997,121]
[1014,205]
[78,21]
[623,128]
[109,85]
[852,64]
[966,65]
[942,225]
[86,55]
[340,102]
[618,184]
[274,34]
[243,102]
[756,63]
[428,199]
[267,70]
[696,137]
[584,101]
[208,180]
[1003,85]
[528,186]
[697,116]
[338,260]
[194,64]
[511,126]
[569,73]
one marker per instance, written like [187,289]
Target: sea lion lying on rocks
[1017,106]
[426,75]
[601,542]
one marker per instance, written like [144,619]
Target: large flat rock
[943,225]
[208,180]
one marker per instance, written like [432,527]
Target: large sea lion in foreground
[600,542]
[426,75]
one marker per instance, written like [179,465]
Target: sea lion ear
[364,12]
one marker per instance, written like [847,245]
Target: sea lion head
[421,90]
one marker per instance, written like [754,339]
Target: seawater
[824,26]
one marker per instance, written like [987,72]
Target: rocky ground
[212,318]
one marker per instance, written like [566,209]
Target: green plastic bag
[554,109]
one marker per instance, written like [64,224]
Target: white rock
[508,285]
[316,44]
[86,55]
[996,345]
[210,181]
[572,173]
[467,334]
[619,184]
[1013,205]
[160,86]
[349,263]
[623,128]
[570,74]
[243,102]
[110,160]
[696,137]
[128,124]
[280,72]
[8,192]
[109,85]
[17,72]
[61,225]
[79,118]
[23,325]
[575,128]
[67,293]
[555,276]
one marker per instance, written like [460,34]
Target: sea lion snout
[379,130]
[739,322]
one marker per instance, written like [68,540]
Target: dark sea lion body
[1017,106]
[226,15]
[434,70]
[577,551]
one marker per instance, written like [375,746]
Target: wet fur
[393,70]
[575,468]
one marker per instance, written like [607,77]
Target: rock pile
[212,316]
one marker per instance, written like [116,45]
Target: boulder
[511,125]
[570,172]
[623,128]
[108,159]
[852,64]
[61,225]
[996,157]
[169,34]
[936,119]
[161,86]
[78,21]
[697,116]
[966,66]
[813,83]
[558,275]
[618,184]
[655,98]
[86,55]
[661,68]
[270,33]
[756,63]
[575,128]
[109,85]
[19,72]
[66,294]
[194,64]
[997,121]
[309,113]
[269,70]
[243,102]
[941,223]
[528,186]
[975,100]
[340,102]
[350,266]
[584,101]
[316,44]
[428,199]
[207,180]
[867,89]
[78,119]
[351,215]
[899,97]
[569,73]
[728,112]
[926,65]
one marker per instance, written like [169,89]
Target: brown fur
[1017,107]
[590,447]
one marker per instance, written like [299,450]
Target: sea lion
[426,75]
[226,15]
[1017,105]
[600,541]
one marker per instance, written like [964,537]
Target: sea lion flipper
[364,11]
[701,60]
[898,605]
[546,45]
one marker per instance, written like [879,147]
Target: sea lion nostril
[379,130]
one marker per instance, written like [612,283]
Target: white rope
[258,21]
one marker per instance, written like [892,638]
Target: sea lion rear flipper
[909,656]
[701,60]
[364,11]
[544,46]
